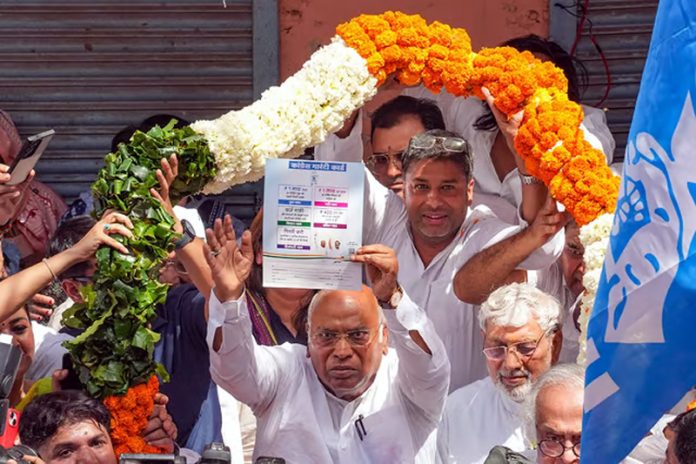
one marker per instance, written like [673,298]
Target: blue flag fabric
[642,333]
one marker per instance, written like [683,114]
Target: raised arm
[20,287]
[191,255]
[534,192]
[251,373]
[532,248]
[424,369]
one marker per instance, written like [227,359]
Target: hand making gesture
[230,264]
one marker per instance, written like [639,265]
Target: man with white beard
[522,340]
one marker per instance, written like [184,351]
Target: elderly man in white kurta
[436,234]
[347,397]
[522,340]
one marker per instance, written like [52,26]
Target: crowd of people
[460,347]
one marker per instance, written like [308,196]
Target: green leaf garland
[115,351]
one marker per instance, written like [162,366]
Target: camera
[146,458]
[16,453]
[214,453]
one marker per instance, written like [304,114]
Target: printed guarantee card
[312,223]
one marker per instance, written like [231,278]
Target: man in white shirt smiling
[346,397]
[436,234]
[522,339]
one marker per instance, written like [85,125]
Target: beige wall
[307,24]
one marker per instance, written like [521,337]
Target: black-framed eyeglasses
[427,141]
[524,350]
[380,162]
[553,448]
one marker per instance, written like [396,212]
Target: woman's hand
[110,224]
[40,307]
[11,195]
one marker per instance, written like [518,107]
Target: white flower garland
[300,113]
[595,238]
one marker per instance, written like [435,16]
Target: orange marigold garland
[129,417]
[549,138]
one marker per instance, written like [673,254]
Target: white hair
[569,375]
[514,305]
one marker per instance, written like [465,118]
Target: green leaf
[115,350]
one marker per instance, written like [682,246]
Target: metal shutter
[622,28]
[89,68]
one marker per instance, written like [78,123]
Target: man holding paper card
[347,396]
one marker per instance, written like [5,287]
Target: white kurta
[477,418]
[298,420]
[456,322]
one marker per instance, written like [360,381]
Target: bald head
[347,339]
[362,299]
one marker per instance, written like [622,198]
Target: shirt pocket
[386,436]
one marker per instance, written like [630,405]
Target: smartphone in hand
[28,156]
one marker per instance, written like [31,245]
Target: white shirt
[298,420]
[477,418]
[456,322]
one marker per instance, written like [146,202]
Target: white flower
[595,238]
[290,118]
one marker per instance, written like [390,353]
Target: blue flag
[642,333]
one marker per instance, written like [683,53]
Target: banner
[641,351]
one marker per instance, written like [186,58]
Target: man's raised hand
[230,264]
[382,268]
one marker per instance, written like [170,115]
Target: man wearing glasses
[347,397]
[554,415]
[392,126]
[521,341]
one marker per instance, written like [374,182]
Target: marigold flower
[129,416]
[549,139]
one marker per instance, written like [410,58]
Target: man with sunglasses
[392,126]
[521,341]
[436,235]
[347,397]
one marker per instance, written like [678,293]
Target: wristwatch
[394,300]
[528,180]
[187,237]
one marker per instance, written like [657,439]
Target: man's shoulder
[469,395]
[480,225]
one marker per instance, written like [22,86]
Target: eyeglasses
[357,338]
[427,141]
[553,448]
[380,162]
[524,350]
